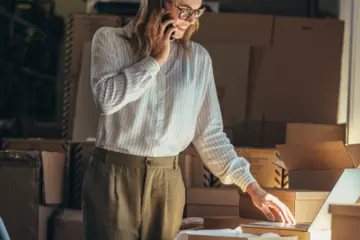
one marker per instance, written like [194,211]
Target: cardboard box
[69,103]
[262,167]
[315,166]
[20,188]
[311,133]
[210,202]
[231,72]
[247,29]
[54,159]
[79,157]
[345,221]
[303,204]
[68,224]
[185,163]
[231,56]
[85,120]
[346,191]
[268,134]
[305,56]
[259,134]
[80,29]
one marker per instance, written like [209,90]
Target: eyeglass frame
[193,11]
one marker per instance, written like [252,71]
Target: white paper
[183,235]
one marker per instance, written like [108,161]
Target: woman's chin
[178,35]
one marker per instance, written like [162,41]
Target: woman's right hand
[161,40]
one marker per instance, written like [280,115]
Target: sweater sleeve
[214,147]
[113,83]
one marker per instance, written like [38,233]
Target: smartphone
[165,18]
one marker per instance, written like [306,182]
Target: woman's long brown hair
[142,39]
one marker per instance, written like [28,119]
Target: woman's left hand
[265,201]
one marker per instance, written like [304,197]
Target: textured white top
[154,111]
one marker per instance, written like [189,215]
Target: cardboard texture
[185,161]
[305,56]
[86,119]
[345,221]
[311,133]
[54,160]
[260,134]
[209,202]
[262,168]
[79,156]
[346,191]
[258,29]
[315,166]
[69,225]
[53,176]
[20,191]
[70,93]
[231,78]
[80,29]
[303,204]
[270,133]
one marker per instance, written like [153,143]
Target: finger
[283,209]
[291,216]
[269,215]
[170,32]
[278,212]
[166,24]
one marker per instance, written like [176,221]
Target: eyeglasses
[186,13]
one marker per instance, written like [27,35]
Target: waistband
[128,160]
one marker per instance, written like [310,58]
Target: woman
[156,96]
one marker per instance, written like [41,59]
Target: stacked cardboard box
[345,221]
[80,30]
[317,166]
[32,184]
[346,191]
[202,189]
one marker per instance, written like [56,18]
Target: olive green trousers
[130,197]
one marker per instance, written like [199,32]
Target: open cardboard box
[346,191]
[53,154]
[317,166]
[303,204]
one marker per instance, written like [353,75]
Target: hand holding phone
[161,46]
[165,18]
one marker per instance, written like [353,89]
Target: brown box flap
[318,156]
[230,28]
[297,194]
[54,172]
[354,152]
